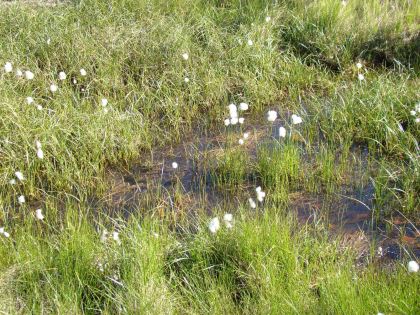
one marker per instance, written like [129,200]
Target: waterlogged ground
[348,211]
[130,183]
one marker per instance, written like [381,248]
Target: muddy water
[349,212]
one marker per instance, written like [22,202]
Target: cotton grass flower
[413,266]
[271,115]
[19,73]
[62,76]
[250,42]
[19,175]
[38,144]
[104,102]
[226,122]
[104,236]
[185,56]
[228,219]
[233,111]
[53,88]
[29,100]
[39,215]
[359,65]
[417,120]
[241,141]
[413,112]
[267,19]
[234,120]
[296,119]
[40,153]
[243,106]
[214,225]
[246,135]
[260,194]
[186,80]
[116,237]
[8,67]
[361,77]
[12,181]
[241,120]
[39,107]
[21,199]
[83,72]
[29,75]
[252,203]
[174,165]
[282,132]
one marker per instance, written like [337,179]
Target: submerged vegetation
[209,157]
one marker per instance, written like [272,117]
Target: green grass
[302,61]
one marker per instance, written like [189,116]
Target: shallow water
[348,212]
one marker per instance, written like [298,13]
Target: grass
[301,61]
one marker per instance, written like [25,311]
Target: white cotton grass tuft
[226,122]
[12,181]
[174,165]
[241,141]
[62,75]
[252,203]
[3,232]
[48,41]
[21,199]
[250,42]
[296,119]
[214,225]
[359,65]
[413,266]
[83,72]
[241,120]
[413,112]
[186,80]
[185,56]
[417,120]
[243,106]
[53,88]
[234,120]
[38,144]
[40,153]
[39,107]
[8,67]
[104,102]
[361,77]
[228,219]
[267,19]
[233,111]
[260,194]
[19,175]
[246,135]
[39,215]
[19,73]
[271,115]
[29,75]
[29,100]
[282,132]
[116,237]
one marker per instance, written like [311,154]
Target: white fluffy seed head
[29,100]
[252,203]
[246,135]
[40,153]
[226,122]
[38,144]
[250,42]
[38,214]
[186,80]
[271,115]
[359,65]
[267,19]
[361,77]
[83,72]
[214,225]
[19,175]
[104,102]
[62,75]
[296,119]
[234,120]
[29,75]
[413,112]
[241,141]
[413,266]
[21,199]
[8,67]
[243,106]
[185,56]
[53,88]
[282,132]
[228,217]
[19,73]
[174,165]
